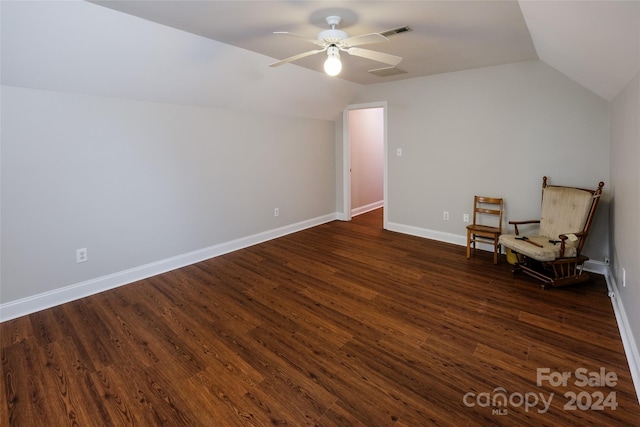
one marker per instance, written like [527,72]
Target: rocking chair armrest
[517,223]
[577,234]
[564,237]
[580,234]
[531,221]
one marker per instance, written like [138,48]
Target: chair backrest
[488,211]
[567,210]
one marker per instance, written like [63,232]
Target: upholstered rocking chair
[553,253]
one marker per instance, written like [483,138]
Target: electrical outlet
[465,218]
[276,212]
[607,261]
[445,215]
[81,255]
[399,152]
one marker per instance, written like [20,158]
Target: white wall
[493,131]
[625,204]
[136,182]
[366,134]
[149,146]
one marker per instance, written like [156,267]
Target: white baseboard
[597,267]
[32,304]
[367,208]
[441,236]
[628,342]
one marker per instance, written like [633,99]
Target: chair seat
[483,229]
[548,251]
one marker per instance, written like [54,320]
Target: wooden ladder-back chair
[554,254]
[487,224]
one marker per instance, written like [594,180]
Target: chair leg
[468,244]
[496,246]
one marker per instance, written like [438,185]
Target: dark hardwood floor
[342,324]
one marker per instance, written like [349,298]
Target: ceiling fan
[333,41]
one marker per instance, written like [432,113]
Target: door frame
[346,158]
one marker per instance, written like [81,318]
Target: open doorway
[364,175]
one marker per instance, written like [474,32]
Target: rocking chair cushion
[564,210]
[548,251]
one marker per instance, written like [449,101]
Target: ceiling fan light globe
[332,66]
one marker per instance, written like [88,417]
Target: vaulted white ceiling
[596,43]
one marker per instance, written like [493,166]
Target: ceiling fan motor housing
[333,35]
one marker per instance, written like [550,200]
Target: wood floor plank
[343,324]
[16,331]
[26,401]
[581,333]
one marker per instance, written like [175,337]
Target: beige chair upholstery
[553,252]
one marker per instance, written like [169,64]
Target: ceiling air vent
[387,71]
[395,31]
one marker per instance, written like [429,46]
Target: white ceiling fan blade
[364,39]
[314,41]
[376,56]
[296,57]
